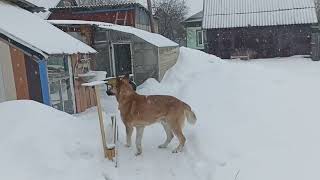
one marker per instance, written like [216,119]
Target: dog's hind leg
[129,130]
[139,134]
[169,135]
[178,132]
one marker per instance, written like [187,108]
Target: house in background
[266,28]
[39,62]
[124,49]
[47,4]
[127,14]
[195,34]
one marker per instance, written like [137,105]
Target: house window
[200,38]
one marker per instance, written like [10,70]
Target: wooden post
[109,152]
[103,134]
[151,16]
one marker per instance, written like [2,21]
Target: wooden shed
[124,49]
[127,13]
[259,28]
[39,61]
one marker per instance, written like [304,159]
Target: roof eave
[27,5]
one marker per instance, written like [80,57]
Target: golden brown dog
[139,111]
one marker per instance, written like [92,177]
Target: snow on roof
[37,34]
[47,4]
[195,18]
[152,38]
[235,13]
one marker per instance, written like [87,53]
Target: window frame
[198,39]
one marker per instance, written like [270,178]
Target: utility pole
[151,16]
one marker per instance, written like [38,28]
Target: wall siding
[167,58]
[2,91]
[7,72]
[20,74]
[84,96]
[267,42]
[145,62]
[91,15]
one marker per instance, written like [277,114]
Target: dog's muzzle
[111,83]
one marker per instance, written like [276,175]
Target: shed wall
[20,73]
[2,92]
[7,72]
[266,42]
[103,15]
[167,58]
[142,20]
[102,43]
[85,97]
[145,62]
[144,55]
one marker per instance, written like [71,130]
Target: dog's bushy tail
[191,117]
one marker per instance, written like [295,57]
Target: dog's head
[121,86]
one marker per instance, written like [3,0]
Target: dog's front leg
[129,130]
[139,134]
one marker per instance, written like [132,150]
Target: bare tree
[317,2]
[151,16]
[171,13]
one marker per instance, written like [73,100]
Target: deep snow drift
[38,142]
[256,120]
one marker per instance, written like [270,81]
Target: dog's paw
[138,153]
[162,146]
[127,145]
[177,150]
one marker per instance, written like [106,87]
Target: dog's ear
[118,78]
[127,76]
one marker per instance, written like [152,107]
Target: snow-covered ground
[256,120]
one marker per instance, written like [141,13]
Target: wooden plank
[87,95]
[76,85]
[34,81]
[83,99]
[77,95]
[84,96]
[20,74]
[7,72]
[103,134]
[93,97]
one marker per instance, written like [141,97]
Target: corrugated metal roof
[244,13]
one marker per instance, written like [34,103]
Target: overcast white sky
[194,5]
